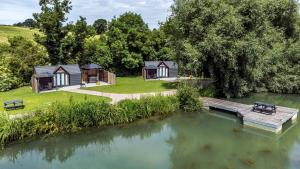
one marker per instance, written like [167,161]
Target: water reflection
[63,147]
[224,145]
[204,140]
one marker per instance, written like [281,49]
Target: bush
[74,116]
[188,97]
[207,91]
[149,106]
[8,80]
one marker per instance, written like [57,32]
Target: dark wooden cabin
[160,69]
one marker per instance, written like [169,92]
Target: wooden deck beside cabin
[269,122]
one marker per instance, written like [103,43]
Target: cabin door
[61,79]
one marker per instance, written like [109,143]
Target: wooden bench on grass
[13,105]
[264,107]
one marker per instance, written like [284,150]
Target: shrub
[188,97]
[8,80]
[207,91]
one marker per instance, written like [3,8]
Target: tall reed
[74,116]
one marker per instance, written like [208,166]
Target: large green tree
[97,51]
[232,41]
[51,21]
[100,26]
[127,37]
[72,46]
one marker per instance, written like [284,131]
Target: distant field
[11,31]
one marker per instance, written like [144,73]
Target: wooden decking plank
[276,120]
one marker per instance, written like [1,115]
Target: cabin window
[67,80]
[162,71]
[61,79]
[57,79]
[54,81]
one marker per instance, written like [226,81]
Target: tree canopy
[124,43]
[30,23]
[241,44]
[51,21]
[100,26]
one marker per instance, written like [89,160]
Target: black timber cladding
[49,71]
[173,66]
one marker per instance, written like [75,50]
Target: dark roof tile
[153,64]
[42,71]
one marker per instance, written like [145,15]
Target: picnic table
[14,104]
[264,107]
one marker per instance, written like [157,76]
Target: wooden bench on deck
[264,107]
[13,105]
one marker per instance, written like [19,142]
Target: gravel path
[118,97]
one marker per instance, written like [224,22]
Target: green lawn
[11,31]
[135,85]
[34,101]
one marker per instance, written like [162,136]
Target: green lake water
[207,140]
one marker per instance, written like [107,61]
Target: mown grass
[73,116]
[135,84]
[11,31]
[34,101]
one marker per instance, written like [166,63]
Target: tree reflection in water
[62,147]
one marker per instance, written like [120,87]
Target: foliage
[135,84]
[131,42]
[188,98]
[30,23]
[148,106]
[100,26]
[50,21]
[76,115]
[159,47]
[125,43]
[96,50]
[73,44]
[18,58]
[127,36]
[24,56]
[234,42]
[285,72]
[207,91]
[8,80]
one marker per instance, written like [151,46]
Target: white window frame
[54,80]
[58,80]
[67,79]
[167,72]
[62,79]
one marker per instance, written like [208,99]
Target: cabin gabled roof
[48,71]
[155,64]
[91,66]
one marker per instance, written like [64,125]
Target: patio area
[68,88]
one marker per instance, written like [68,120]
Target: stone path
[118,97]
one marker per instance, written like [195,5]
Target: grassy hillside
[10,31]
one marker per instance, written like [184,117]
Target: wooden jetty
[268,122]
